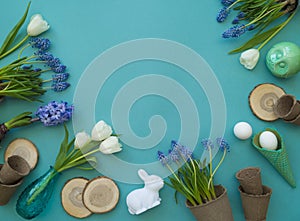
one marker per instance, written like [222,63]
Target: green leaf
[92,161]
[63,150]
[257,39]
[74,164]
[12,34]
[14,122]
[70,145]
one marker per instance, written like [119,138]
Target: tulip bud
[37,25]
[110,145]
[81,139]
[101,131]
[249,58]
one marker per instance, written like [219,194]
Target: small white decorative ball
[268,140]
[242,130]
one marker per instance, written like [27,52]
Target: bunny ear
[143,174]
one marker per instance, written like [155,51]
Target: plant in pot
[194,180]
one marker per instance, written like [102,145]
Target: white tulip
[81,139]
[37,25]
[110,145]
[101,131]
[249,58]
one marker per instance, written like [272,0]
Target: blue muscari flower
[227,2]
[173,155]
[55,113]
[222,14]
[59,68]
[235,31]
[53,62]
[162,158]
[26,67]
[207,144]
[223,144]
[44,56]
[185,152]
[227,33]
[251,27]
[60,86]
[238,31]
[236,20]
[60,77]
[42,44]
[241,15]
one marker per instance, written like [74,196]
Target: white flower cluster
[100,132]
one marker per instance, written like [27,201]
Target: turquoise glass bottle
[35,197]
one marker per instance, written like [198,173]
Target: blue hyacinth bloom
[60,86]
[227,2]
[55,113]
[223,14]
[42,44]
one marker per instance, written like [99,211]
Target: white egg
[268,140]
[242,130]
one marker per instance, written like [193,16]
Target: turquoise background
[81,30]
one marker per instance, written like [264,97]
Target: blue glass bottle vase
[35,197]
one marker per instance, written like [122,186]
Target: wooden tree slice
[24,148]
[71,198]
[101,195]
[262,100]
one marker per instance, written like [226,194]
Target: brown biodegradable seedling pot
[256,206]
[294,121]
[287,107]
[215,210]
[250,180]
[14,169]
[7,191]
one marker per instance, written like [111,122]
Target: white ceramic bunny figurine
[140,200]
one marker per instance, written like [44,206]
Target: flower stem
[210,162]
[230,6]
[278,30]
[221,161]
[15,47]
[35,119]
[182,184]
[21,51]
[259,17]
[79,158]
